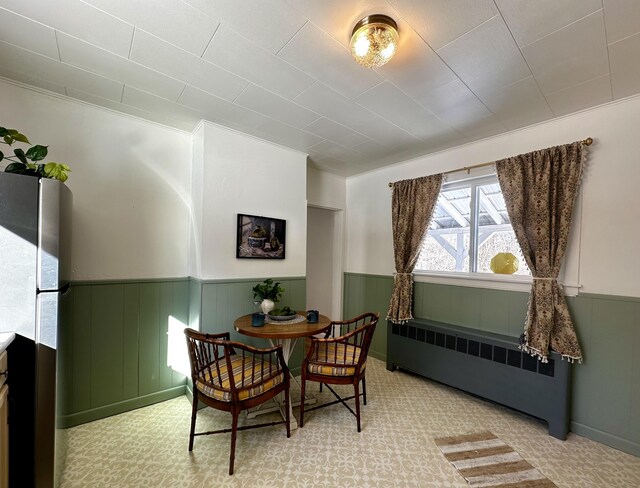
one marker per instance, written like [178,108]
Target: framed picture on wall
[261,237]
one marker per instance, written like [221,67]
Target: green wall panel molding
[107,337]
[132,280]
[248,280]
[222,301]
[115,337]
[369,293]
[114,342]
[606,438]
[606,386]
[71,420]
[622,298]
[195,303]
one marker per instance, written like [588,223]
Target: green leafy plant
[268,290]
[285,311]
[28,162]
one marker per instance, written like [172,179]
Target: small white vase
[267,305]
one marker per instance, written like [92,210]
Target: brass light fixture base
[375,19]
[374,40]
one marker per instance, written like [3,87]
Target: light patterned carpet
[396,448]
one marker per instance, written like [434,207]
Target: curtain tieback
[403,274]
[544,279]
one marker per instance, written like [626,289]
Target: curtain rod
[587,142]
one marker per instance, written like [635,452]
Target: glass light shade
[504,263]
[374,40]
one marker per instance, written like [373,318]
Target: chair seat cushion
[334,361]
[250,388]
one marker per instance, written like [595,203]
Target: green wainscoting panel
[80,349]
[149,333]
[195,303]
[518,304]
[494,311]
[501,312]
[497,311]
[606,386]
[130,344]
[114,346]
[225,300]
[436,300]
[369,293]
[107,338]
[612,331]
[180,314]
[474,305]
[354,293]
[64,378]
[634,425]
[606,399]
[582,313]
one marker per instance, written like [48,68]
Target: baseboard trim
[125,281]
[66,421]
[378,355]
[606,438]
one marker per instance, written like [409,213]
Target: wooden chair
[257,376]
[340,360]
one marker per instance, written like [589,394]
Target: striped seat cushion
[213,388]
[334,360]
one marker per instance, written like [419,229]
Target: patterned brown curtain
[540,189]
[412,205]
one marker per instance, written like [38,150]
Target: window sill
[485,280]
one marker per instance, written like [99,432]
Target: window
[470,226]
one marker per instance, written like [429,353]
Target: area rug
[485,461]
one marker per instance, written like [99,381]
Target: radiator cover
[487,365]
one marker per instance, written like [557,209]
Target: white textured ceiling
[281,69]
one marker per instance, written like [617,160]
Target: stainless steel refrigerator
[35,242]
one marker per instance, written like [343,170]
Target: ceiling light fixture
[374,40]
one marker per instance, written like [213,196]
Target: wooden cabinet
[4,426]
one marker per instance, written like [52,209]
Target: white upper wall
[197,201]
[130,181]
[243,174]
[326,190]
[604,254]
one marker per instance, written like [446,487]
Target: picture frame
[260,237]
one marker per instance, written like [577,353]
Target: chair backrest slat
[355,335]
[210,353]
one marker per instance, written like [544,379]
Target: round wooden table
[287,336]
[279,332]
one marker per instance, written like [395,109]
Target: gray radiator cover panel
[542,396]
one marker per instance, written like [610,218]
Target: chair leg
[357,395]
[194,411]
[364,389]
[287,407]
[303,382]
[234,432]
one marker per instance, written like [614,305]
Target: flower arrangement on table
[269,292]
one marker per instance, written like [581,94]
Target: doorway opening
[324,260]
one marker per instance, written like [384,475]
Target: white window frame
[489,280]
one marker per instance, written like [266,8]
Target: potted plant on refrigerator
[29,162]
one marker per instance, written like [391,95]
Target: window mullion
[473,230]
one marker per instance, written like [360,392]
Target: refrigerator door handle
[47,318]
[64,291]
